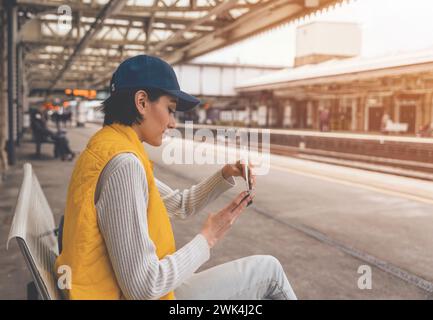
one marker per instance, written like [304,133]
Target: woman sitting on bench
[117,236]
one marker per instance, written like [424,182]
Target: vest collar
[131,135]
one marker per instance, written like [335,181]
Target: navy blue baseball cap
[143,71]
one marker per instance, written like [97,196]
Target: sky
[388,27]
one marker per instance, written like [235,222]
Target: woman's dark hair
[120,107]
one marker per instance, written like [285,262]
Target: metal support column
[11,26]
[18,94]
[17,97]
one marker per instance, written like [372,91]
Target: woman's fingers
[237,210]
[239,165]
[252,175]
[239,170]
[236,201]
[219,223]
[237,205]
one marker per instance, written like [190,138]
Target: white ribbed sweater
[121,203]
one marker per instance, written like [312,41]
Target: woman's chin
[156,143]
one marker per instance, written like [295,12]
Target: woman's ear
[141,101]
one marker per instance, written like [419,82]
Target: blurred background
[345,88]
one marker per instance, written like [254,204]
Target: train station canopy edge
[83,46]
[351,69]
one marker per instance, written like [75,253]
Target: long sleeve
[121,207]
[181,204]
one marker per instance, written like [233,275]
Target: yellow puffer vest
[84,249]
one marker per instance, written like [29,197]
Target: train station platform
[321,221]
[406,156]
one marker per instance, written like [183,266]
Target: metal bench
[34,229]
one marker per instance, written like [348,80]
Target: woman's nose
[172,123]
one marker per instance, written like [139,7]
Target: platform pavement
[315,269]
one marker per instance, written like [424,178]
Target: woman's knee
[267,264]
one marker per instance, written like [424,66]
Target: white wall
[214,80]
[328,38]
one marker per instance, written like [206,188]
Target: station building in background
[329,74]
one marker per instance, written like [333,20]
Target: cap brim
[185,102]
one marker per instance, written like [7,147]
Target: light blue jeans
[251,278]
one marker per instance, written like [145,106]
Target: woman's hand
[237,170]
[217,224]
